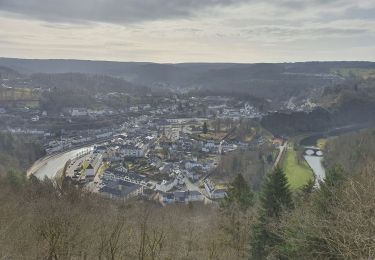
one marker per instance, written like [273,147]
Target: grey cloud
[360,13]
[127,11]
[112,11]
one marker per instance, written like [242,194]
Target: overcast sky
[189,30]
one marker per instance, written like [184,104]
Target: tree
[15,178]
[276,194]
[240,193]
[205,128]
[275,198]
[325,197]
[236,217]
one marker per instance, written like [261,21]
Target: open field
[18,94]
[298,173]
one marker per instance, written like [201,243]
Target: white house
[76,112]
[136,151]
[93,167]
[212,191]
[192,164]
[166,185]
[133,109]
[35,118]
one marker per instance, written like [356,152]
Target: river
[316,164]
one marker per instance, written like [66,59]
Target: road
[49,166]
[193,187]
[282,149]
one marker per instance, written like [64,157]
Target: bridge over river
[314,157]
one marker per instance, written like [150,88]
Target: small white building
[133,109]
[165,186]
[76,112]
[35,118]
[212,192]
[192,164]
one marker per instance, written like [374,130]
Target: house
[225,146]
[212,191]
[90,173]
[192,175]
[77,112]
[192,164]
[166,185]
[166,197]
[195,196]
[121,190]
[133,109]
[277,142]
[218,194]
[180,197]
[147,107]
[93,167]
[132,151]
[35,118]
[122,174]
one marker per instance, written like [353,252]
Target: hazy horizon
[176,63]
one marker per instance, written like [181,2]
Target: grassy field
[18,94]
[298,173]
[321,143]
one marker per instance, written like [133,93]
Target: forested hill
[18,152]
[277,82]
[339,106]
[355,152]
[95,83]
[52,66]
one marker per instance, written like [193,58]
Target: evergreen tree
[275,197]
[276,194]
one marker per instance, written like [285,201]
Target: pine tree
[275,197]
[276,194]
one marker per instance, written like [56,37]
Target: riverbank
[298,172]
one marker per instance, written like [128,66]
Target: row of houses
[180,197]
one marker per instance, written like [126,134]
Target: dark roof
[194,193]
[120,189]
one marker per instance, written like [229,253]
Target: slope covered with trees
[42,220]
[17,152]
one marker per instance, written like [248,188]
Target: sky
[175,31]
